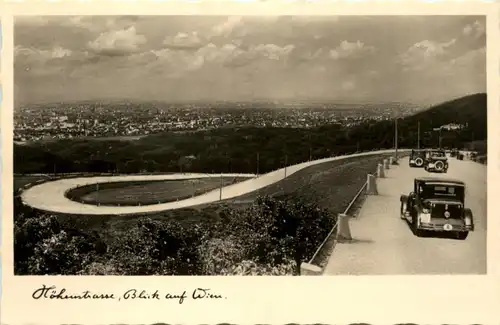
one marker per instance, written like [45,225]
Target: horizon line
[276,101]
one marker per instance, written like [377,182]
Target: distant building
[452,126]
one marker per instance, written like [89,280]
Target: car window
[437,191]
[438,154]
[444,190]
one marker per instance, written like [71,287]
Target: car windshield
[438,154]
[441,191]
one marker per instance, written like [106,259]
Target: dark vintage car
[417,158]
[454,153]
[437,204]
[436,161]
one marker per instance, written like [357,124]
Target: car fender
[415,216]
[403,198]
[468,213]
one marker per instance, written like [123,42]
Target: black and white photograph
[250,145]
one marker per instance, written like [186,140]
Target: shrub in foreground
[251,268]
[271,237]
[272,232]
[153,247]
[220,255]
[42,246]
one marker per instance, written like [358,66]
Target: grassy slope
[147,192]
[20,181]
[331,185]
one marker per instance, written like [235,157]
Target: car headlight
[425,218]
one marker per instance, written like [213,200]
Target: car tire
[462,235]
[419,162]
[439,166]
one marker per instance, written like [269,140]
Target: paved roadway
[50,196]
[383,244]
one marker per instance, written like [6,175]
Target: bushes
[252,268]
[270,232]
[156,248]
[42,246]
[61,253]
[219,256]
[271,237]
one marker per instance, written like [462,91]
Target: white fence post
[371,185]
[309,269]
[343,229]
[380,171]
[386,164]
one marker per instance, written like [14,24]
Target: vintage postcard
[198,163]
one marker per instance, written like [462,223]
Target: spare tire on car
[439,165]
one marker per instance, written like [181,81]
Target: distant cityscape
[119,120]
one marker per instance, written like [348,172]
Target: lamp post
[396,138]
[418,136]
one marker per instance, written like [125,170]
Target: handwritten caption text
[54,293]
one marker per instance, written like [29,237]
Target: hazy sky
[419,59]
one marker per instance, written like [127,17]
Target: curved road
[50,196]
[383,244]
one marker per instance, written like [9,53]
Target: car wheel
[419,162]
[462,235]
[439,166]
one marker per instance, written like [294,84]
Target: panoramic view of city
[250,145]
[122,120]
